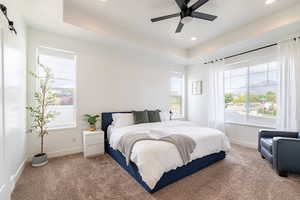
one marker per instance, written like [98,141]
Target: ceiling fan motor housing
[185,13]
[186,16]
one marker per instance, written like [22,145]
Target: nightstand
[93,143]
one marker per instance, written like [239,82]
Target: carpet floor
[243,175]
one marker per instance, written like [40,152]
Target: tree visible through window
[63,67]
[251,94]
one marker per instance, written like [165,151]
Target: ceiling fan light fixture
[268,2]
[186,19]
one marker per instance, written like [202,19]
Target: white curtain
[289,63]
[216,105]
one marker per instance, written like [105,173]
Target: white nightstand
[93,143]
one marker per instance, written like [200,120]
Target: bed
[173,173]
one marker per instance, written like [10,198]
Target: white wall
[243,135]
[13,101]
[109,78]
[197,109]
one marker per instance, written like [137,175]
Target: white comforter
[154,158]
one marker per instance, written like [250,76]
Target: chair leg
[282,173]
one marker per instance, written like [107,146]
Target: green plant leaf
[40,116]
[92,119]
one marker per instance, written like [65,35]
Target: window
[177,95]
[63,67]
[251,94]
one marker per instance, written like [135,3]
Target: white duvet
[154,158]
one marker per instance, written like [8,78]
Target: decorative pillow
[140,117]
[122,119]
[154,116]
[164,116]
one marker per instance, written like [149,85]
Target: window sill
[62,128]
[250,125]
[178,118]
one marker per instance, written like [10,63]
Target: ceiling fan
[187,13]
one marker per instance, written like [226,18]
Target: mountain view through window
[251,94]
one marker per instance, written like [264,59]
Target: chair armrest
[267,133]
[286,153]
[278,133]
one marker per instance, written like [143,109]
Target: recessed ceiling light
[268,2]
[193,38]
[103,0]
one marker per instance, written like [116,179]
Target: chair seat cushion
[267,144]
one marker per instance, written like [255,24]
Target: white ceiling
[127,23]
[134,16]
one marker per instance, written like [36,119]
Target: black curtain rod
[246,52]
[10,23]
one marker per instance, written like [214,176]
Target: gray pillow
[140,117]
[154,116]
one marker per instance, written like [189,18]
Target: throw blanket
[184,144]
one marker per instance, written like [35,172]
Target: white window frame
[248,64]
[182,115]
[74,124]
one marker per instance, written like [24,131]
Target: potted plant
[92,120]
[40,113]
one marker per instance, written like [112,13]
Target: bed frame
[168,177]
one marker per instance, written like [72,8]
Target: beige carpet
[243,175]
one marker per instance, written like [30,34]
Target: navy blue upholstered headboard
[107,120]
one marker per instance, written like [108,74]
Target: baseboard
[2,188]
[20,171]
[4,192]
[14,178]
[7,189]
[243,143]
[63,152]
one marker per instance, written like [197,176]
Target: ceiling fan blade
[198,4]
[165,17]
[204,16]
[181,4]
[179,27]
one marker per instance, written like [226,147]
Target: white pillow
[164,116]
[122,119]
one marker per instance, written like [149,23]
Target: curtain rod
[10,23]
[246,52]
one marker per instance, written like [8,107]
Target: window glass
[263,86]
[177,94]
[251,94]
[63,68]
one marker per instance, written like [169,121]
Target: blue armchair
[282,149]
